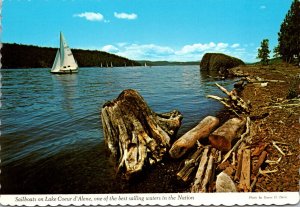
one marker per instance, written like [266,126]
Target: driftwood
[222,137]
[260,161]
[245,172]
[262,80]
[279,150]
[189,139]
[239,166]
[233,102]
[208,171]
[190,165]
[196,187]
[134,134]
[240,140]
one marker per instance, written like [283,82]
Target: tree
[264,52]
[276,52]
[289,34]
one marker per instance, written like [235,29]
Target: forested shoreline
[29,56]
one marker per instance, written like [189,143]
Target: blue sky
[174,30]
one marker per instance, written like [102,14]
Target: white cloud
[235,45]
[192,52]
[110,48]
[221,46]
[195,48]
[90,16]
[262,7]
[125,15]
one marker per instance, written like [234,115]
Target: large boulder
[219,62]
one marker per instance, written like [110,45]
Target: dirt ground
[275,116]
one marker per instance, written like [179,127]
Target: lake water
[51,133]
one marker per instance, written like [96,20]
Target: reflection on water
[68,84]
[52,140]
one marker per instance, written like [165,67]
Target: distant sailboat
[146,64]
[64,60]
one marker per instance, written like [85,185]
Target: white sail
[64,61]
[68,61]
[56,64]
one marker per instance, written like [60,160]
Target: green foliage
[289,34]
[28,56]
[276,52]
[264,52]
[294,90]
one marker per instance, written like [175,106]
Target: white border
[194,199]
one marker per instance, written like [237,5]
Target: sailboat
[64,60]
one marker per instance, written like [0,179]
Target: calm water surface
[51,133]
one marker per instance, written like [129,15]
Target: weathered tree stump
[135,135]
[222,137]
[189,139]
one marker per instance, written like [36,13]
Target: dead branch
[233,102]
[281,152]
[264,172]
[260,161]
[271,162]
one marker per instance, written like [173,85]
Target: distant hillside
[272,61]
[28,56]
[165,63]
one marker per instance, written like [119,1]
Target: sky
[172,30]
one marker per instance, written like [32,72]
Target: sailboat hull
[65,71]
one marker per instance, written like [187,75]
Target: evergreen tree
[289,34]
[276,53]
[264,52]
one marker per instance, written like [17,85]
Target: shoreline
[275,110]
[279,125]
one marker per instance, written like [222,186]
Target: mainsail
[64,60]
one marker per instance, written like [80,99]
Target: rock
[224,183]
[219,62]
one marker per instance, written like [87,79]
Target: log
[245,172]
[196,187]
[237,144]
[239,166]
[189,139]
[222,137]
[208,171]
[260,161]
[190,165]
[134,134]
